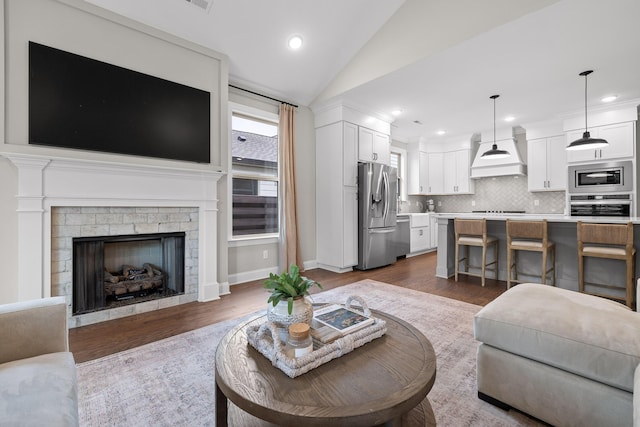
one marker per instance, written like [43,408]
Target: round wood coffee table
[383,382]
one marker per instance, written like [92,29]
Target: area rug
[171,382]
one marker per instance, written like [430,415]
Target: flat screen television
[81,103]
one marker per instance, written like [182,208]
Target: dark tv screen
[78,102]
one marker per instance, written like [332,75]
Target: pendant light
[586,142]
[495,153]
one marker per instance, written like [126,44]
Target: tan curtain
[289,242]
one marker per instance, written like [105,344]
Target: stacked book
[334,321]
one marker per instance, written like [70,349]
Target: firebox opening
[111,271]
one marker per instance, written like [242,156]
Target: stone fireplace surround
[46,183]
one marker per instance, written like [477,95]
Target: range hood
[488,167]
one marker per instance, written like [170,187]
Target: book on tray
[334,321]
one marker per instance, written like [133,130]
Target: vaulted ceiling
[436,60]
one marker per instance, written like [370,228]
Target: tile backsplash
[497,193]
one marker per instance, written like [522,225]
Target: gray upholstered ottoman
[561,356]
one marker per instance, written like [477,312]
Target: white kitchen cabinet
[373,146]
[420,238]
[336,196]
[456,172]
[350,154]
[435,173]
[547,159]
[620,136]
[417,168]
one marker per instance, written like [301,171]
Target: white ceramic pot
[302,312]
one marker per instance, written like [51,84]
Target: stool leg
[544,266]
[495,253]
[484,264]
[580,273]
[553,263]
[457,260]
[515,265]
[629,282]
[509,251]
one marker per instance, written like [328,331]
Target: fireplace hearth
[112,271]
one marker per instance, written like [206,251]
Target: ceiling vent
[205,5]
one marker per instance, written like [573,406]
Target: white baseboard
[249,276]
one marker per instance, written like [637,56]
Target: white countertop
[538,217]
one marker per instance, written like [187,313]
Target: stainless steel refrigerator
[377,209]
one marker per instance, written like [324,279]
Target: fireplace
[112,271]
[64,198]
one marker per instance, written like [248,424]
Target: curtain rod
[264,96]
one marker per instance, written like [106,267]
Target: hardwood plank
[418,273]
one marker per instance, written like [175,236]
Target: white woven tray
[266,340]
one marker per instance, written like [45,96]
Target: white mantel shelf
[45,182]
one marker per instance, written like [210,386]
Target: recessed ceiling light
[509,119]
[396,112]
[441,132]
[295,42]
[609,98]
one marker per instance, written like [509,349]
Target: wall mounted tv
[78,102]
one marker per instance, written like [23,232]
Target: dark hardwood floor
[418,273]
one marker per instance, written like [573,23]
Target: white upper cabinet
[373,146]
[350,154]
[547,164]
[417,169]
[620,137]
[456,172]
[438,172]
[435,173]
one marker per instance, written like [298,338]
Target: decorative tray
[266,340]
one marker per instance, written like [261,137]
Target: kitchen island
[561,229]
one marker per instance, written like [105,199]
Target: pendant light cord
[494,121]
[585,74]
[585,103]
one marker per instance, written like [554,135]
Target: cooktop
[499,212]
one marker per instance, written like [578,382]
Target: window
[254,169]
[395,163]
[398,160]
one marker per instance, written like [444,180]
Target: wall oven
[612,205]
[596,178]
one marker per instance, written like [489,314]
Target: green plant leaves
[287,286]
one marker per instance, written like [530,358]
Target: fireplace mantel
[45,182]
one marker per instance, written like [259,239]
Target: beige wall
[78,27]
[246,262]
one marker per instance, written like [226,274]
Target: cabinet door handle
[421,188]
[429,189]
[421,232]
[375,156]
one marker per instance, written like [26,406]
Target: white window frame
[248,240]
[403,171]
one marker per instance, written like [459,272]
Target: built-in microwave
[611,177]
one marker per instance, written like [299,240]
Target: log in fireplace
[110,270]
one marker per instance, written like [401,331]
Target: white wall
[8,232]
[81,28]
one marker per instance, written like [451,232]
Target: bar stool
[529,236]
[612,241]
[473,232]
